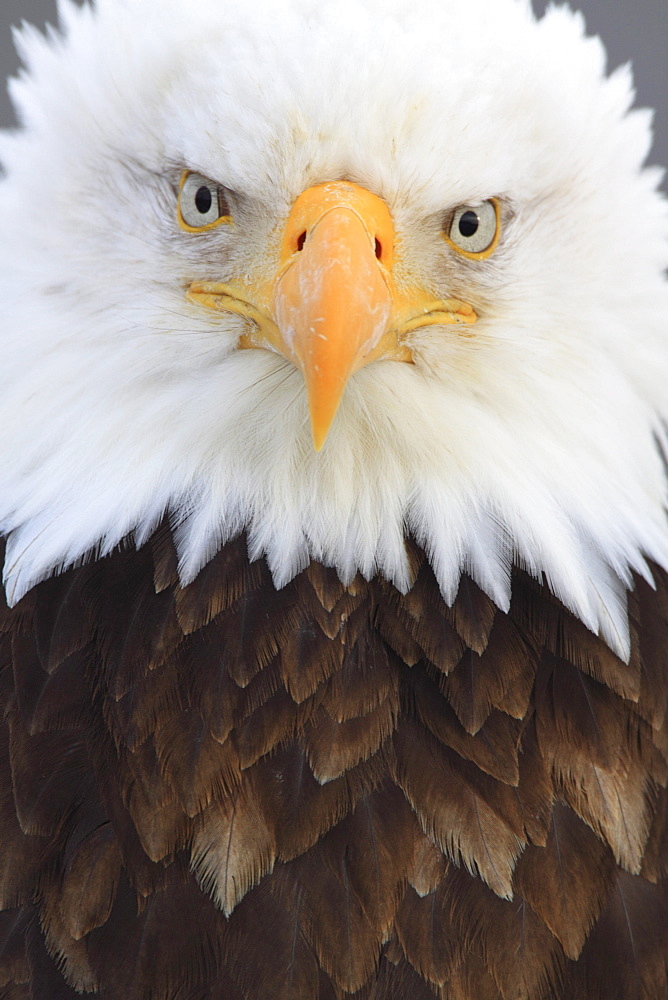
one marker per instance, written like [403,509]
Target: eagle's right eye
[202,203]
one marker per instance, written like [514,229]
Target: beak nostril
[379,249]
[301,240]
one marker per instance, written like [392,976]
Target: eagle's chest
[302,792]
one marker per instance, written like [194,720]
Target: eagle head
[334,288]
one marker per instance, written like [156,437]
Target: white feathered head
[491,374]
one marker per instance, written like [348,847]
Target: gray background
[631,29]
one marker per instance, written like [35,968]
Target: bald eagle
[332,433]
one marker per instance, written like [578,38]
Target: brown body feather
[230,792]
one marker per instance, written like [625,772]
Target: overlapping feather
[231,792]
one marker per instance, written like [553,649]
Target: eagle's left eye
[474,230]
[202,203]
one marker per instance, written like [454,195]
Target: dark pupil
[468,224]
[203,200]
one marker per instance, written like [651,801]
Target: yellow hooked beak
[333,306]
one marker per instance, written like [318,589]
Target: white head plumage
[529,437]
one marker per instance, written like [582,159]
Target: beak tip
[323,402]
[320,435]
